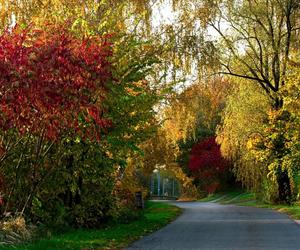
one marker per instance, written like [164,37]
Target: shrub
[207,165]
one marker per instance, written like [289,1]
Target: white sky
[163,14]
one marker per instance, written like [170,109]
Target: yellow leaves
[177,62]
[254,142]
[103,25]
[17,224]
[105,16]
[137,88]
[133,113]
[121,25]
[109,154]
[204,14]
[137,128]
[241,131]
[198,105]
[250,144]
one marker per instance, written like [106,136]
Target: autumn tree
[242,119]
[258,43]
[207,165]
[277,146]
[52,89]
[197,107]
[90,16]
[60,121]
[257,39]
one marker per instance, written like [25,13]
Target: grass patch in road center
[115,236]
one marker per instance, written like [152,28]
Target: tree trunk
[284,187]
[283,179]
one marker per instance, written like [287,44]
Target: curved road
[206,225]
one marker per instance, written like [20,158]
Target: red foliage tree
[52,82]
[207,164]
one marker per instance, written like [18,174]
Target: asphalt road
[208,225]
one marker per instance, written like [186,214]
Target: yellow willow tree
[197,108]
[278,142]
[242,119]
[100,15]
[257,40]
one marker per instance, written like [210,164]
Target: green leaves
[49,173]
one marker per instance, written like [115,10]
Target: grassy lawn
[116,236]
[248,199]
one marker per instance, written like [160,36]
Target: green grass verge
[212,197]
[222,197]
[116,236]
[248,199]
[293,211]
[239,198]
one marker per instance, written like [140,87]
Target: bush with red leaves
[51,82]
[207,164]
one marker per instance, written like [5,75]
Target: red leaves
[48,80]
[207,163]
[206,154]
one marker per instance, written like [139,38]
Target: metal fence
[164,186]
